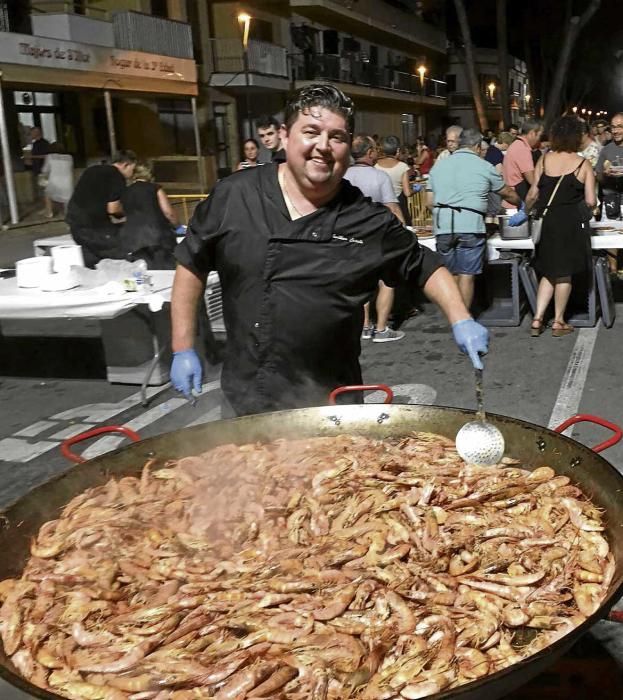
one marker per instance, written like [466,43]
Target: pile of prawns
[330,567]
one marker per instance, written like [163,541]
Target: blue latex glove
[520,217]
[180,230]
[472,339]
[186,372]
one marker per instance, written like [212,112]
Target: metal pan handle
[389,394]
[587,418]
[67,444]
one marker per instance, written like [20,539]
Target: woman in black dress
[565,245]
[149,229]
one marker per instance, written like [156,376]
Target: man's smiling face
[317,147]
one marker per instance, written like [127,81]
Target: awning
[56,63]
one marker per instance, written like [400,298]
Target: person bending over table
[563,194]
[148,232]
[94,210]
[298,251]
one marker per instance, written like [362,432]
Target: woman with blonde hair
[148,232]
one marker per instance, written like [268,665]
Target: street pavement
[56,387]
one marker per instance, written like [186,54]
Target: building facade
[387,58]
[106,77]
[173,80]
[460,100]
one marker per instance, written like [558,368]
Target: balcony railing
[264,58]
[357,72]
[138,32]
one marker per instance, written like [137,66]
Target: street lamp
[583,110]
[422,71]
[590,113]
[574,110]
[244,19]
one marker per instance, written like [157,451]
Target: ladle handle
[587,418]
[67,444]
[389,394]
[480,400]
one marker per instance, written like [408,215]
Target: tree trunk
[470,65]
[572,32]
[503,62]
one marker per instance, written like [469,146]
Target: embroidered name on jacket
[347,239]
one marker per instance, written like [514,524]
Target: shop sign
[27,50]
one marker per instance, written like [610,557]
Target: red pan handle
[615,616]
[67,444]
[587,418]
[389,394]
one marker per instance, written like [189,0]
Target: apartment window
[176,116]
[451,82]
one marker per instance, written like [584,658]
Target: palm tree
[572,31]
[503,61]
[470,65]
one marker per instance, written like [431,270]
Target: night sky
[596,75]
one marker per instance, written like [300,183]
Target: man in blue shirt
[457,192]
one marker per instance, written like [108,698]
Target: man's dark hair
[320,95]
[512,126]
[531,125]
[124,157]
[266,121]
[566,135]
[361,144]
[390,145]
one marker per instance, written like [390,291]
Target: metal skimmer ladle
[480,442]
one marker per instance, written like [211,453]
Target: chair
[421,215]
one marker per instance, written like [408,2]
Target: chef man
[299,251]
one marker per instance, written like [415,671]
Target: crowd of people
[552,181]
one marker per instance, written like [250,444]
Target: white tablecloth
[598,242]
[21,303]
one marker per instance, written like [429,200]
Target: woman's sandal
[559,329]
[537,327]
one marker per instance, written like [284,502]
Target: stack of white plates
[29,272]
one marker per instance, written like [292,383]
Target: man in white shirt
[453,136]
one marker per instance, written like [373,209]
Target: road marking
[39,427]
[417,393]
[14,450]
[211,415]
[99,412]
[111,442]
[71,430]
[572,385]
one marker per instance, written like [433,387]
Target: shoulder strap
[577,170]
[544,157]
[551,199]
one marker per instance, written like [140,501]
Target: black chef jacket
[293,291]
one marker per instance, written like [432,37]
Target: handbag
[537,224]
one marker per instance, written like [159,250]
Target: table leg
[154,362]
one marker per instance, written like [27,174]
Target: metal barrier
[184,205]
[421,215]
